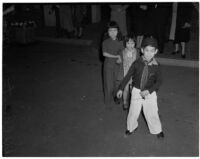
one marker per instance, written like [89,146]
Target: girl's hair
[113,24]
[130,36]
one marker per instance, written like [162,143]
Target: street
[55,108]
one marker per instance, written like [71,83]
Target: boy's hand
[144,93]
[119,94]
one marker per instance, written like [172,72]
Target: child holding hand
[129,56]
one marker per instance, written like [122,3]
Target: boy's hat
[150,41]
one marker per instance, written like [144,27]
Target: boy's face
[112,32]
[130,44]
[149,52]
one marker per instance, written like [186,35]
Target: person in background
[118,14]
[55,9]
[66,20]
[79,12]
[157,16]
[139,21]
[182,26]
[111,48]
[129,54]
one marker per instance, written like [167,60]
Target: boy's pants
[150,110]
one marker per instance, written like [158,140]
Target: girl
[111,47]
[129,56]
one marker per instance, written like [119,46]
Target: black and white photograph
[100,79]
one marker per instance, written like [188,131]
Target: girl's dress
[111,68]
[128,58]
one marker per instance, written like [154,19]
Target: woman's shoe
[183,56]
[80,36]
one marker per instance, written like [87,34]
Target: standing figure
[111,47]
[182,30]
[139,21]
[66,20]
[146,80]
[79,14]
[55,9]
[129,54]
[157,22]
[161,12]
[118,14]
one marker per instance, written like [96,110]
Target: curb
[65,41]
[175,62]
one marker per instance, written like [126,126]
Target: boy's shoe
[127,132]
[160,135]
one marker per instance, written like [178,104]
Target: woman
[182,31]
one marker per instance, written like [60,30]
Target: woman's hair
[113,24]
[128,37]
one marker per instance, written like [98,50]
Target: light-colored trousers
[150,109]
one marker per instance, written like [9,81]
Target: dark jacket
[135,72]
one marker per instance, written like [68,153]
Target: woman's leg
[176,47]
[183,49]
[176,50]
[80,32]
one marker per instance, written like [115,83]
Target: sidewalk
[93,34]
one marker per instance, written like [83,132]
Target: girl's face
[149,52]
[112,32]
[130,44]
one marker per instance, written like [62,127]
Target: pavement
[55,107]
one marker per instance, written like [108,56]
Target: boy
[146,81]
